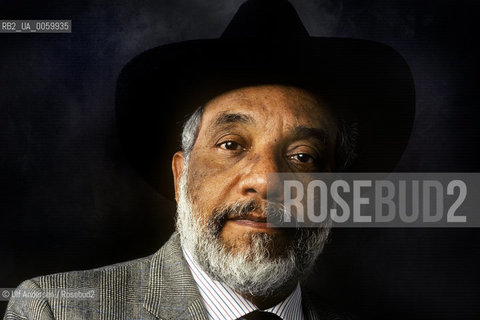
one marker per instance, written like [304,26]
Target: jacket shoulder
[82,294]
[115,274]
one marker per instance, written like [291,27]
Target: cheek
[209,182]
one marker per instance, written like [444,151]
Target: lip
[254,222]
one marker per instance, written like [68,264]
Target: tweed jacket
[160,286]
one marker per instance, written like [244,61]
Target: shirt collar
[223,303]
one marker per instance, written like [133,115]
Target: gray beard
[252,270]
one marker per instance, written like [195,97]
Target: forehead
[289,106]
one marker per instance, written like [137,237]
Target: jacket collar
[172,292]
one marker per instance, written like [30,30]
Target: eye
[302,157]
[230,145]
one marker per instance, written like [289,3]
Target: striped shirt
[222,303]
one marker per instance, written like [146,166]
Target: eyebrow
[303,132]
[229,118]
[300,132]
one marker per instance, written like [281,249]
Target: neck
[271,300]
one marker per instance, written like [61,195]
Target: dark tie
[260,315]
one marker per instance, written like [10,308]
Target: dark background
[69,200]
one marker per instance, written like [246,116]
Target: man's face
[244,135]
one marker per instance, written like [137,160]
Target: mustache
[273,212]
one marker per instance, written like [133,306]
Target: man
[272,99]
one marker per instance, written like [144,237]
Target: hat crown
[273,19]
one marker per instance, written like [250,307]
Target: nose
[257,181]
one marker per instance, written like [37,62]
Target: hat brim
[363,81]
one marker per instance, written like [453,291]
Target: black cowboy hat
[265,43]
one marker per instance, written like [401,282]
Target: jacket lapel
[172,292]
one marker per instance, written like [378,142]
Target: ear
[178,162]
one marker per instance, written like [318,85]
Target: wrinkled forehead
[291,106]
